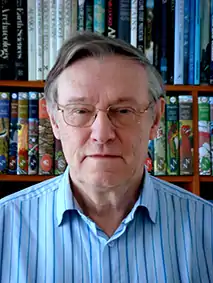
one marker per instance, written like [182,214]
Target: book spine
[89,15]
[22,163]
[157,33]
[33,134]
[211,43]
[31,39]
[134,22]
[149,22]
[74,10]
[140,34]
[99,16]
[191,43]
[59,24]
[60,162]
[160,149]
[45,38]
[171,33]
[52,33]
[67,18]
[21,63]
[197,43]
[81,15]
[46,139]
[39,40]
[111,19]
[172,134]
[7,43]
[211,130]
[149,162]
[163,57]
[4,130]
[186,41]
[204,135]
[124,20]
[179,42]
[186,134]
[13,142]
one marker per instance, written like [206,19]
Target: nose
[102,130]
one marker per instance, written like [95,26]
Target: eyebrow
[116,101]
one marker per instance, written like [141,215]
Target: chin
[104,179]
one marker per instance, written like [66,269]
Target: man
[105,219]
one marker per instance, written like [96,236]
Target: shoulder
[31,192]
[177,193]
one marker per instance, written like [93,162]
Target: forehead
[106,79]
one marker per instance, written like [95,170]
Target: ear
[54,125]
[158,113]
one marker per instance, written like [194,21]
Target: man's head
[105,101]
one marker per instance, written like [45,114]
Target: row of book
[176,36]
[27,143]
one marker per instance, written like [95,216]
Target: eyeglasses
[84,115]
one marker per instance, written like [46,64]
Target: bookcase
[199,185]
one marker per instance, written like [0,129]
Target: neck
[107,207]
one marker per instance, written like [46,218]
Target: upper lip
[103,155]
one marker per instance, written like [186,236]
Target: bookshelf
[190,183]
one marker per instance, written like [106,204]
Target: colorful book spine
[149,162]
[204,135]
[197,43]
[179,42]
[46,139]
[22,155]
[186,40]
[13,142]
[99,16]
[134,22]
[89,15]
[211,130]
[33,160]
[21,71]
[211,42]
[60,162]
[31,39]
[172,134]
[148,31]
[111,19]
[186,134]
[160,149]
[4,130]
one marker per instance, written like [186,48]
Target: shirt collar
[147,198]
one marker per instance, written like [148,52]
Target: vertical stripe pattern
[45,237]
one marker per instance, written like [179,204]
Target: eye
[124,110]
[79,111]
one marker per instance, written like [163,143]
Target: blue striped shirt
[45,237]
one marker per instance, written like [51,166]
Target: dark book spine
[89,15]
[21,63]
[170,36]
[157,32]
[140,34]
[163,57]
[123,31]
[112,19]
[211,43]
[7,12]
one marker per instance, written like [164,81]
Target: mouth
[102,156]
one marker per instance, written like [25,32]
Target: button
[111,244]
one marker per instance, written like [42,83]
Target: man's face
[104,155]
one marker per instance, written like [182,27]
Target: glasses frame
[61,108]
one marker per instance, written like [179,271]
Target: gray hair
[88,44]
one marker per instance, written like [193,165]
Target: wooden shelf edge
[33,84]
[24,178]
[189,88]
[176,179]
[206,178]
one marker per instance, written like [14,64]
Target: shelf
[27,84]
[176,179]
[206,179]
[40,84]
[24,178]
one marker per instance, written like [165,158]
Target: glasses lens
[122,116]
[79,115]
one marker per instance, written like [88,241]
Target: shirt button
[111,244]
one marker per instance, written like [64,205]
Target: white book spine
[67,18]
[74,16]
[179,42]
[31,19]
[45,38]
[59,23]
[52,33]
[134,22]
[39,40]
